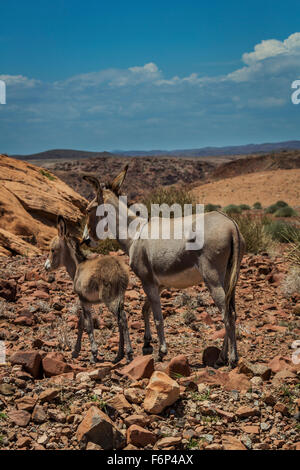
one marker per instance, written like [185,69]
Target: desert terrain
[50,401]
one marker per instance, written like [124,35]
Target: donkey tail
[234,265]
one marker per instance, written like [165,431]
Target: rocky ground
[50,401]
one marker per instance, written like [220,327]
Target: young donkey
[164,263]
[101,279]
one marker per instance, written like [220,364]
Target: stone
[134,395]
[26,403]
[237,381]
[246,412]
[279,363]
[232,443]
[8,289]
[98,428]
[119,403]
[210,356]
[141,367]
[167,442]
[23,442]
[269,399]
[260,370]
[282,376]
[140,437]
[282,408]
[54,365]
[19,417]
[140,420]
[39,414]
[251,429]
[162,391]
[179,367]
[6,389]
[30,360]
[48,395]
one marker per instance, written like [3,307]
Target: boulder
[30,360]
[140,437]
[141,367]
[98,428]
[162,391]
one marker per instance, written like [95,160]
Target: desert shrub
[257,205]
[285,211]
[271,209]
[211,207]
[244,207]
[255,236]
[291,284]
[232,209]
[104,247]
[47,175]
[169,196]
[281,204]
[281,231]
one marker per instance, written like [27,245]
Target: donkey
[100,279]
[161,263]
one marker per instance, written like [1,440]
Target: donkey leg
[124,338]
[147,348]
[77,347]
[89,326]
[216,289]
[153,293]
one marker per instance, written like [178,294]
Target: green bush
[211,207]
[281,231]
[47,175]
[285,211]
[232,209]
[244,207]
[257,205]
[281,204]
[169,196]
[253,231]
[271,209]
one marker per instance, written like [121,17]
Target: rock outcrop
[30,200]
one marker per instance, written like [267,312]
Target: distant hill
[249,149]
[218,151]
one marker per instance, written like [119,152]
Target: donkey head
[61,246]
[103,193]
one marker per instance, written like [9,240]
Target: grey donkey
[100,279]
[161,263]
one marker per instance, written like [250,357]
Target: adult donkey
[164,263]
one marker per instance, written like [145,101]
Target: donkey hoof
[129,358]
[118,358]
[147,350]
[75,354]
[93,359]
[220,362]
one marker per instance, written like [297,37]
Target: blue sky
[141,75]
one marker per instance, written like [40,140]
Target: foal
[101,279]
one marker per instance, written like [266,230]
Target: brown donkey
[101,279]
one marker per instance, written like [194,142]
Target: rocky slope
[266,187]
[50,401]
[30,199]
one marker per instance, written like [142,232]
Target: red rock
[20,417]
[232,443]
[282,408]
[225,414]
[48,395]
[139,436]
[162,391]
[120,403]
[26,403]
[279,363]
[140,420]
[53,366]
[23,442]
[141,367]
[39,415]
[30,360]
[237,381]
[98,428]
[219,334]
[167,442]
[251,429]
[246,412]
[210,356]
[178,367]
[8,290]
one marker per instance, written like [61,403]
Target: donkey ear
[61,226]
[119,180]
[93,181]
